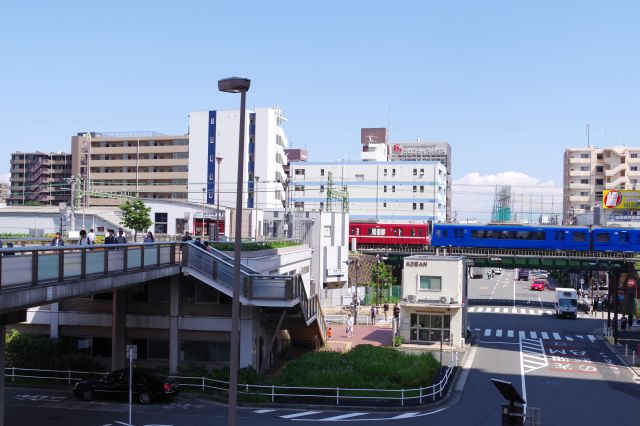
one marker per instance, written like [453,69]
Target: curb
[621,358]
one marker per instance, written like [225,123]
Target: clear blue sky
[509,84]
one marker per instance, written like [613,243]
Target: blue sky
[510,85]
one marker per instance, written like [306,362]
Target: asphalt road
[561,366]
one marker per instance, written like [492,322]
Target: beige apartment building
[39,178]
[144,164]
[589,171]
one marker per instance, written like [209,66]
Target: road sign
[132,352]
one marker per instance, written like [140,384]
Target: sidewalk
[628,347]
[362,335]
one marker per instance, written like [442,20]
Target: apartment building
[213,143]
[392,191]
[144,164]
[4,192]
[587,172]
[39,178]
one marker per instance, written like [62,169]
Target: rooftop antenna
[588,136]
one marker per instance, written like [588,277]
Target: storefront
[434,290]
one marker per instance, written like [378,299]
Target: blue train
[578,238]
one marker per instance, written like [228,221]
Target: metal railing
[254,286]
[273,393]
[34,265]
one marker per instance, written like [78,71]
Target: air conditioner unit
[443,299]
[412,298]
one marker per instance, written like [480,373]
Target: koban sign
[416,264]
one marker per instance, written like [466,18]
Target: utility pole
[73,203]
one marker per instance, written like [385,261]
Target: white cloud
[473,196]
[4,177]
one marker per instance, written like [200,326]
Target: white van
[566,303]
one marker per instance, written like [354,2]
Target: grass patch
[364,367]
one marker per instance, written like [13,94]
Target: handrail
[333,396]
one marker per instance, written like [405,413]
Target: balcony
[580,173]
[580,161]
[579,198]
[578,185]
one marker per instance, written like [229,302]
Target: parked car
[537,285]
[147,386]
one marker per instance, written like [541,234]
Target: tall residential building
[589,171]
[39,178]
[146,164]
[213,141]
[391,191]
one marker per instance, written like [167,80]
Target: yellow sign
[620,199]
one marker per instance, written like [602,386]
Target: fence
[273,393]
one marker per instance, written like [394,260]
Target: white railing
[273,393]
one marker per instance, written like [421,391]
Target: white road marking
[487,332]
[342,416]
[498,333]
[592,337]
[509,333]
[294,415]
[557,336]
[539,311]
[570,339]
[544,335]
[549,312]
[523,311]
[263,411]
[531,312]
[514,311]
[533,334]
[521,334]
[405,416]
[480,309]
[505,310]
[472,309]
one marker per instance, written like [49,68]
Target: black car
[147,386]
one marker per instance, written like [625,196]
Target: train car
[615,239]
[512,236]
[389,234]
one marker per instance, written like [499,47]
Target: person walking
[109,238]
[396,312]
[374,313]
[149,237]
[187,236]
[385,309]
[349,326]
[623,323]
[91,236]
[84,240]
[121,239]
[57,241]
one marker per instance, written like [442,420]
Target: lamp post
[217,235]
[255,203]
[236,85]
[354,302]
[204,194]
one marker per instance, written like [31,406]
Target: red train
[389,234]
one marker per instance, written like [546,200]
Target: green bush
[365,366]
[398,340]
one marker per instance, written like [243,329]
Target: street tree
[381,279]
[136,216]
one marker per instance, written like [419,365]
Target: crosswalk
[516,310]
[530,334]
[329,416]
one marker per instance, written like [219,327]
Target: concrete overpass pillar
[118,329]
[174,312]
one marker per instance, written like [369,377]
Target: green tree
[135,215]
[381,279]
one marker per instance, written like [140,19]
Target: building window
[321,188]
[430,283]
[415,172]
[415,206]
[393,172]
[212,120]
[359,177]
[321,205]
[584,155]
[212,140]
[299,172]
[384,204]
[584,168]
[158,349]
[321,172]
[160,223]
[430,328]
[415,188]
[421,206]
[599,169]
[192,351]
[634,168]
[421,172]
[384,188]
[584,181]
[385,172]
[421,188]
[393,188]
[633,155]
[599,181]
[212,158]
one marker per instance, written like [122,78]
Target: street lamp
[217,235]
[236,85]
[355,303]
[255,203]
[204,194]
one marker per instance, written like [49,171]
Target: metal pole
[204,192]
[217,235]
[615,308]
[441,336]
[255,204]
[235,303]
[130,381]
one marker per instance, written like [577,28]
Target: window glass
[158,349]
[430,283]
[603,237]
[579,236]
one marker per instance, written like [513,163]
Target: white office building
[214,135]
[391,191]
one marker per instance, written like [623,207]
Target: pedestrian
[374,313]
[121,239]
[349,326]
[109,238]
[57,241]
[198,243]
[207,247]
[187,236]
[149,237]
[84,241]
[630,320]
[9,246]
[91,237]
[385,308]
[623,323]
[396,312]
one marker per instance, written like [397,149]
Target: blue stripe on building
[251,164]
[211,158]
